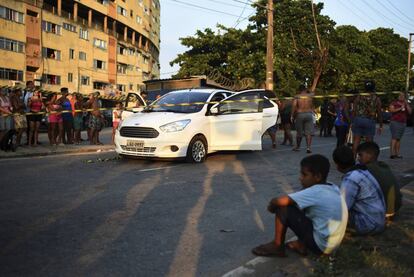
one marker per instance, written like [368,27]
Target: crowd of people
[22,112]
[352,118]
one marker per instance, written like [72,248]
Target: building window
[51,27]
[51,79]
[11,45]
[98,64]
[70,77]
[99,43]
[146,10]
[121,87]
[82,56]
[83,34]
[139,19]
[69,27]
[71,54]
[121,68]
[99,85]
[121,49]
[11,15]
[145,60]
[84,80]
[140,2]
[11,74]
[131,87]
[50,53]
[122,11]
[103,2]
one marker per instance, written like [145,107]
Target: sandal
[297,247]
[269,250]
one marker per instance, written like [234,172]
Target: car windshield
[179,102]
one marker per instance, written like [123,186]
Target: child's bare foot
[297,246]
[269,249]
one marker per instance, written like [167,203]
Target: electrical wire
[203,8]
[384,16]
[399,10]
[397,16]
[357,15]
[228,4]
[241,14]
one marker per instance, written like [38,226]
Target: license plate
[135,143]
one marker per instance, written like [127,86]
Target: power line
[204,8]
[399,10]
[228,4]
[399,17]
[349,9]
[385,17]
[241,14]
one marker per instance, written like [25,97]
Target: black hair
[316,164]
[369,147]
[344,157]
[369,86]
[64,90]
[302,88]
[28,83]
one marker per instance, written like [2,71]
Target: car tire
[197,150]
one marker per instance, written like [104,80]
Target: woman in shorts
[400,111]
[36,106]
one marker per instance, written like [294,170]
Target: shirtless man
[302,113]
[96,120]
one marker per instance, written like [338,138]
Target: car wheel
[197,150]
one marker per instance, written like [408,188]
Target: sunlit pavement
[97,215]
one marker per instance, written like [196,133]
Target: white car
[185,124]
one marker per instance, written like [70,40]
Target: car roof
[201,90]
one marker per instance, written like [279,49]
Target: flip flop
[292,245]
[269,250]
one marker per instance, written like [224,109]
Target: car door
[133,103]
[237,123]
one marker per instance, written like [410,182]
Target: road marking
[57,154]
[157,168]
[384,148]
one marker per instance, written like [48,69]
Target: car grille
[145,150]
[139,132]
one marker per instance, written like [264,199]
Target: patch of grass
[388,254]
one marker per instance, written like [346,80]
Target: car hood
[154,119]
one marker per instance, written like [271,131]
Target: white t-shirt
[326,207]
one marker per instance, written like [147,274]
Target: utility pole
[269,51]
[407,85]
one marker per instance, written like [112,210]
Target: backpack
[8,141]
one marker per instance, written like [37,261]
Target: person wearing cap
[366,112]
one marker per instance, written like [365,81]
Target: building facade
[85,45]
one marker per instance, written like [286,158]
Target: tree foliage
[353,55]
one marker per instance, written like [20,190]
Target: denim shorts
[363,126]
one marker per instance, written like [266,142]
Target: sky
[182,18]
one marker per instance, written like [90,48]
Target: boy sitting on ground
[363,195]
[368,153]
[317,214]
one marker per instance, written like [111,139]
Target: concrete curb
[61,151]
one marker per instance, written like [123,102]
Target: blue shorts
[363,126]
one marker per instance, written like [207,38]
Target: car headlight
[175,126]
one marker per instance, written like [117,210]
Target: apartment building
[85,45]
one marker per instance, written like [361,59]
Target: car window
[180,102]
[243,103]
[267,104]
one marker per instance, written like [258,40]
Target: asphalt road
[96,215]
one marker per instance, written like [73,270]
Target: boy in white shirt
[317,214]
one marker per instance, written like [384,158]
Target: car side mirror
[214,111]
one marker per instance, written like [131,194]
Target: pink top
[55,117]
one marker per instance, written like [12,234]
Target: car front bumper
[160,147]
